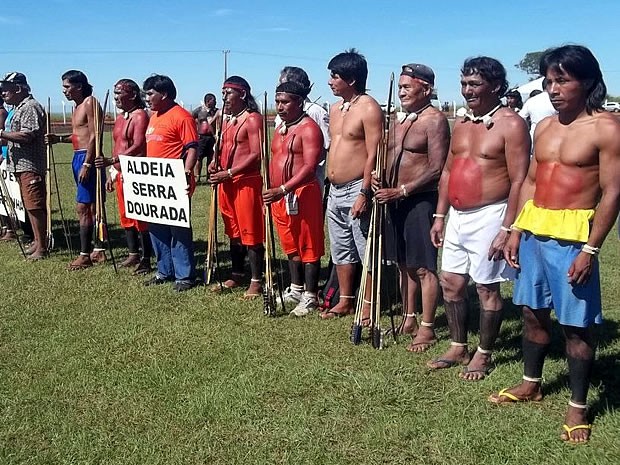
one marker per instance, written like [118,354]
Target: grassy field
[97,369]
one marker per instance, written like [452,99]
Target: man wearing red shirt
[171,133]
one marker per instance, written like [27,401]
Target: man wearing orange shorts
[296,198]
[129,136]
[236,168]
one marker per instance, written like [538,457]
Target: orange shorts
[241,205]
[302,234]
[126,223]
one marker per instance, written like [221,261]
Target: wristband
[404,189]
[1,132]
[230,172]
[505,229]
[87,165]
[514,228]
[439,215]
[283,189]
[590,250]
[366,192]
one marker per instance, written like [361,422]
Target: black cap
[15,78]
[422,72]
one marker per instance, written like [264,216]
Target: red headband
[232,85]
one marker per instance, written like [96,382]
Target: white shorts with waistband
[466,243]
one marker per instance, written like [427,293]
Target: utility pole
[225,52]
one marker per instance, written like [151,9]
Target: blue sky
[184,39]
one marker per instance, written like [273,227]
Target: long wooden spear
[101,220]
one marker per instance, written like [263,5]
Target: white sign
[155,190]
[13,188]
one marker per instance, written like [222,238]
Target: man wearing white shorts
[479,185]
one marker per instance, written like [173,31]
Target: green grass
[97,369]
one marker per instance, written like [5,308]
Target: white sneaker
[307,304]
[292,294]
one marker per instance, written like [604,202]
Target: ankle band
[484,351]
[532,380]
[576,405]
[426,325]
[458,344]
[347,297]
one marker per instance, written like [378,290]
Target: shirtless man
[356,125]
[417,150]
[237,171]
[129,136]
[75,87]
[567,204]
[479,185]
[295,195]
[206,117]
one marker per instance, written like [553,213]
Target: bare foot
[423,340]
[98,256]
[576,428]
[527,391]
[80,263]
[342,308]
[455,355]
[255,290]
[132,260]
[478,368]
[366,314]
[409,325]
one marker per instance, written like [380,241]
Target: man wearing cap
[237,171]
[417,150]
[295,195]
[356,125]
[75,87]
[25,137]
[478,189]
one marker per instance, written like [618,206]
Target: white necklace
[345,106]
[283,129]
[233,118]
[413,116]
[486,119]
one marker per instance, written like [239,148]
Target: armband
[404,189]
[283,189]
[87,165]
[366,192]
[230,173]
[439,215]
[505,229]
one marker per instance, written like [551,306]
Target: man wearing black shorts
[418,147]
[206,118]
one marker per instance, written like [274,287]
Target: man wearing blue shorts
[567,204]
[76,87]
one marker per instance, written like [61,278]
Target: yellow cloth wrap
[568,225]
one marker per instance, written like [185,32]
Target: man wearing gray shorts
[356,123]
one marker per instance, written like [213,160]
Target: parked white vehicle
[612,106]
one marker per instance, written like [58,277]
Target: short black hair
[489,68]
[350,65]
[208,96]
[579,62]
[78,77]
[162,84]
[295,74]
